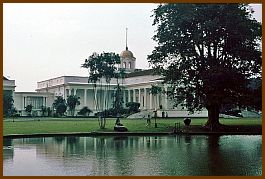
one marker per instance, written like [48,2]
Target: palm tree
[109,68]
[155,90]
[101,66]
[72,101]
[122,74]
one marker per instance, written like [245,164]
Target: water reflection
[59,140]
[8,149]
[137,155]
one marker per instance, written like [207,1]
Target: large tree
[155,90]
[208,53]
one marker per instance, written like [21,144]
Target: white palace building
[135,87]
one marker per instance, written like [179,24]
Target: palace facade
[135,88]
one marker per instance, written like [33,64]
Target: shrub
[85,111]
[234,112]
[61,108]
[133,107]
[28,109]
[49,111]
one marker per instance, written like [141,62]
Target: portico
[136,87]
[91,97]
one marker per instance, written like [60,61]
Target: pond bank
[130,134]
[54,127]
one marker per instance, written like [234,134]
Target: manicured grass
[69,125]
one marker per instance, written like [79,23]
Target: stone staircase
[169,113]
[184,113]
[253,114]
[142,114]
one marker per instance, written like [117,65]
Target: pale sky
[43,41]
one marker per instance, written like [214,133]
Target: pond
[180,155]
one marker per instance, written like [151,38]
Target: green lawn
[65,125]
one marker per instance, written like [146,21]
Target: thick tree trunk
[213,117]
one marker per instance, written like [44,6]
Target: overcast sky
[43,41]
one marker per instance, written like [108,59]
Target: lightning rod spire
[126,38]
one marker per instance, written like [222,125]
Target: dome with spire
[127,58]
[126,54]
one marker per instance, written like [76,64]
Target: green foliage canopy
[155,89]
[101,66]
[207,52]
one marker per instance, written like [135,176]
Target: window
[124,64]
[130,65]
[35,101]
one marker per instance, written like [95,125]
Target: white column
[95,99]
[65,93]
[151,100]
[85,97]
[124,98]
[139,98]
[43,101]
[145,98]
[166,98]
[104,99]
[157,101]
[129,95]
[75,91]
[68,91]
[134,95]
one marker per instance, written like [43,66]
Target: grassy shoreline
[29,126]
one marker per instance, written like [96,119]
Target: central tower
[127,58]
